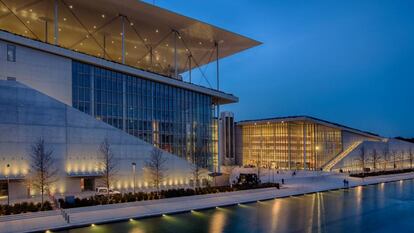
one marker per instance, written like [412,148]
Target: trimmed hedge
[24,207]
[142,196]
[380,173]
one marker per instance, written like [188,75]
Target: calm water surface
[378,208]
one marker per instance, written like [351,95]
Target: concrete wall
[386,150]
[42,71]
[348,138]
[74,138]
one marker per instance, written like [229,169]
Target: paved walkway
[85,216]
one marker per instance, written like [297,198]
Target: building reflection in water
[218,221]
[358,197]
[136,230]
[276,210]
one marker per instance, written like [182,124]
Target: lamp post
[8,184]
[133,171]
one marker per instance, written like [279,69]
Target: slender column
[151,56]
[92,92]
[304,146]
[175,56]
[189,65]
[56,22]
[123,39]
[274,144]
[124,107]
[46,30]
[289,146]
[104,45]
[218,109]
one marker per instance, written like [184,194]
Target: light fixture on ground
[133,173]
[8,183]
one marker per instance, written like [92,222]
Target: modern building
[76,72]
[303,142]
[227,138]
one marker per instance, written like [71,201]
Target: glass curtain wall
[176,120]
[289,145]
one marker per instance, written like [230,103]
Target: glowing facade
[294,142]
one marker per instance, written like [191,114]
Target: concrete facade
[74,137]
[389,154]
[45,72]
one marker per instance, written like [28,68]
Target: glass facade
[176,120]
[289,145]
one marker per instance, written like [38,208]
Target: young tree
[394,159]
[411,157]
[156,166]
[375,158]
[108,163]
[400,159]
[362,159]
[43,167]
[387,157]
[196,170]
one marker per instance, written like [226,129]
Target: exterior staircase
[329,165]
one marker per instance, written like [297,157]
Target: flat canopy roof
[151,34]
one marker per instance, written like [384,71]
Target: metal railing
[329,165]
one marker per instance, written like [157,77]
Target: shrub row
[142,196]
[24,207]
[379,173]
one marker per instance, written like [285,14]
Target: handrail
[329,165]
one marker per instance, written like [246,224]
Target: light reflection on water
[383,208]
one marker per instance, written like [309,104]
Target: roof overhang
[309,119]
[151,33]
[218,97]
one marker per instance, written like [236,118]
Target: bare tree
[108,163]
[394,159]
[259,167]
[375,158]
[400,159]
[362,159]
[387,157]
[196,170]
[156,165]
[43,167]
[411,157]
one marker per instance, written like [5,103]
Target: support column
[124,107]
[289,145]
[56,22]
[175,56]
[46,31]
[151,57]
[304,146]
[92,92]
[189,66]
[123,39]
[218,108]
[104,45]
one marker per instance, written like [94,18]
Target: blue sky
[350,62]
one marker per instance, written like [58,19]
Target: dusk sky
[350,62]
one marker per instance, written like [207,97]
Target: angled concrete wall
[386,151]
[48,73]
[74,137]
